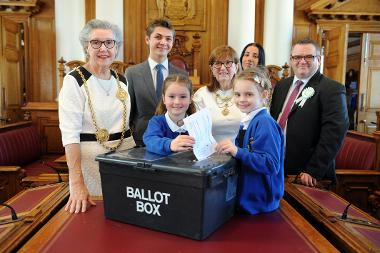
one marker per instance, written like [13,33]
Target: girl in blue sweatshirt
[165,132]
[259,146]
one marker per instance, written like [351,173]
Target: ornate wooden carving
[367,10]
[185,15]
[21,6]
[276,73]
[190,57]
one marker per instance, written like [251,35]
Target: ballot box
[174,194]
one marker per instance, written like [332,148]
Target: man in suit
[144,80]
[314,121]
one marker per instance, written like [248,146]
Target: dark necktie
[241,137]
[159,80]
[289,104]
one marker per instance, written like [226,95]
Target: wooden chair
[189,60]
[358,171]
[63,66]
[276,73]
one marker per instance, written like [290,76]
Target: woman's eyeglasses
[218,64]
[96,44]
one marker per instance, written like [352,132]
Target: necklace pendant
[102,135]
[225,111]
[121,94]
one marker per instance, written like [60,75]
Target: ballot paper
[199,126]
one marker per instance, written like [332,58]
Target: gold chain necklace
[102,134]
[224,103]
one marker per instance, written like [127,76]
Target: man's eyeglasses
[218,64]
[96,44]
[307,58]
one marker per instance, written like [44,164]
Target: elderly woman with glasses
[218,94]
[94,108]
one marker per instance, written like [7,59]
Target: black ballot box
[174,194]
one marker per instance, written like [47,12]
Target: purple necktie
[285,113]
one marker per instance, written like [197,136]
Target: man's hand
[307,180]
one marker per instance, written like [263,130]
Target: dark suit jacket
[143,96]
[316,131]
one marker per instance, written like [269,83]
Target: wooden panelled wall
[215,33]
[35,57]
[42,85]
[28,69]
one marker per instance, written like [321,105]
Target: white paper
[199,126]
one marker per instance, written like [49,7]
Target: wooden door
[12,74]
[335,53]
[369,88]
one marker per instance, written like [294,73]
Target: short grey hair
[84,35]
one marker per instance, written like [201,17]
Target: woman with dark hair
[252,55]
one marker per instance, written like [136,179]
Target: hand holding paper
[199,126]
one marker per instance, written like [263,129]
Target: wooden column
[90,9]
[259,21]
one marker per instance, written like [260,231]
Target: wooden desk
[358,186]
[6,126]
[46,178]
[281,231]
[324,208]
[34,207]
